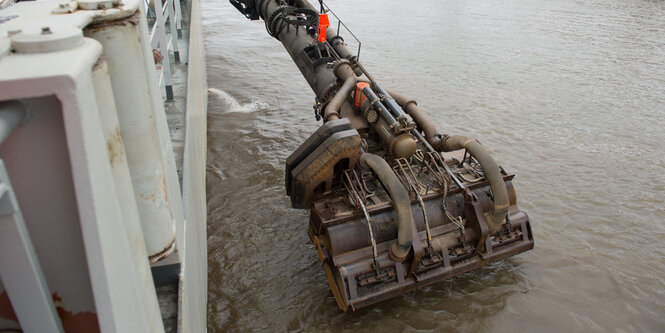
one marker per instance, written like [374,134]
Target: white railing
[163,40]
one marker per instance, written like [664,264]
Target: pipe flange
[327,117]
[394,256]
[441,142]
[411,101]
[334,39]
[338,64]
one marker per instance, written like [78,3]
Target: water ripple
[567,94]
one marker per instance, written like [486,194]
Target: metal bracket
[19,267]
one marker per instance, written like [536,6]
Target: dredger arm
[430,205]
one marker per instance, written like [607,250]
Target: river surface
[569,95]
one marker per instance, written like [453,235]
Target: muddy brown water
[569,95]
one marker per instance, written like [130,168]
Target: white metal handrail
[165,42]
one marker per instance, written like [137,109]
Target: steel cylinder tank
[124,56]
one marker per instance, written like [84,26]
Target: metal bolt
[46,31]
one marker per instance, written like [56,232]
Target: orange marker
[359,96]
[323,25]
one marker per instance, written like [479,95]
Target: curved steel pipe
[492,172]
[423,121]
[449,143]
[343,71]
[401,201]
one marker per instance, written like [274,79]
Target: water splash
[219,173]
[231,104]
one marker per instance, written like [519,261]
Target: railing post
[172,23]
[178,15]
[158,40]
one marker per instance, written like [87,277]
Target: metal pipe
[380,108]
[364,71]
[301,4]
[401,201]
[492,173]
[296,39]
[389,101]
[12,114]
[342,71]
[139,267]
[430,149]
[421,118]
[449,143]
[123,52]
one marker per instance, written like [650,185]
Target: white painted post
[192,318]
[178,15]
[158,40]
[140,266]
[172,24]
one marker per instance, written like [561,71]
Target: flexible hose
[401,201]
[492,173]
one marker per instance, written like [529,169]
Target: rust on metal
[463,208]
[99,63]
[6,309]
[163,253]
[115,146]
[79,322]
[97,25]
